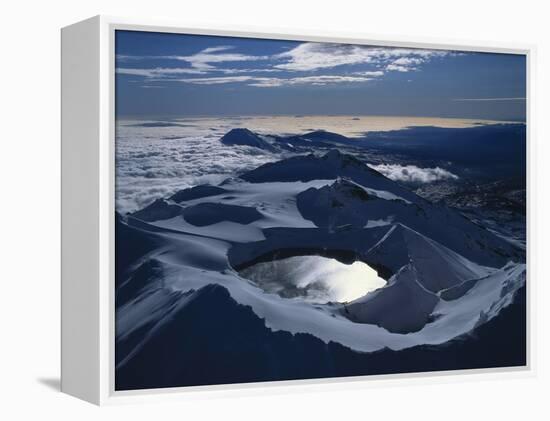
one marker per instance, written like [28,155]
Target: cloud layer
[414,174]
[156,159]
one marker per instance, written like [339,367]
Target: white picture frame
[88,174]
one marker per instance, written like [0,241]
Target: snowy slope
[436,266]
[341,204]
[402,306]
[446,275]
[330,166]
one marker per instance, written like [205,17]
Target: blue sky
[166,75]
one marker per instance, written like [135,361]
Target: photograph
[290,209]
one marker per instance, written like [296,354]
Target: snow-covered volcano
[441,274]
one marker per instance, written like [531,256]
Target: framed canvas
[243,209]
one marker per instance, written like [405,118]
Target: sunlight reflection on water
[314,279]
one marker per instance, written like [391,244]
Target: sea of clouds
[154,159]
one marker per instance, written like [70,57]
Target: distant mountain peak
[331,165]
[335,156]
[324,135]
[246,137]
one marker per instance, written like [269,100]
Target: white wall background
[29,211]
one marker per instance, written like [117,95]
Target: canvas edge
[80,88]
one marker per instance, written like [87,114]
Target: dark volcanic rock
[158,210]
[211,213]
[197,192]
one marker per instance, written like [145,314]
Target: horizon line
[177,115]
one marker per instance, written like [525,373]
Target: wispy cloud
[314,56]
[129,57]
[270,82]
[158,71]
[219,48]
[217,80]
[203,60]
[399,68]
[166,72]
[491,99]
[306,57]
[311,80]
[376,73]
[408,61]
[406,64]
